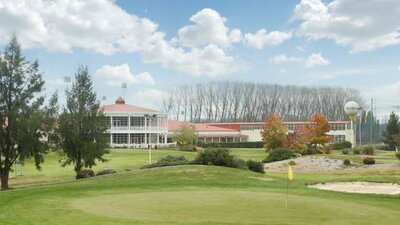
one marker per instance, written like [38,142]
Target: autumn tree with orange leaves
[315,131]
[274,133]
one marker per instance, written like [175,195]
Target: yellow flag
[290,173]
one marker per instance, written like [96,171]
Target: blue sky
[154,45]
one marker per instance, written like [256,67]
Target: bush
[168,160]
[292,163]
[105,172]
[346,162]
[327,149]
[279,154]
[369,160]
[342,145]
[311,151]
[398,155]
[368,150]
[356,151]
[215,156]
[85,174]
[255,166]
[345,151]
[239,163]
[258,144]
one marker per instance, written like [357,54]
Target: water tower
[351,109]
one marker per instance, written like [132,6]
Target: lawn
[189,194]
[197,195]
[119,159]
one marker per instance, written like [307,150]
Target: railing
[139,128]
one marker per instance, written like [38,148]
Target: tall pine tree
[24,120]
[82,126]
[392,129]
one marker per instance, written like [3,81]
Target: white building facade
[135,127]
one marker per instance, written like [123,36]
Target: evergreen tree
[392,128]
[24,120]
[82,125]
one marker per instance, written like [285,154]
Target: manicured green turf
[119,159]
[197,195]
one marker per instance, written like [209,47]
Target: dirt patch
[360,187]
[307,164]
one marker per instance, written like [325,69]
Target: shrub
[356,151]
[85,174]
[279,154]
[239,163]
[368,150]
[346,162]
[168,160]
[327,149]
[215,156]
[292,163]
[258,144]
[398,155]
[105,172]
[311,151]
[255,166]
[369,160]
[345,151]
[342,145]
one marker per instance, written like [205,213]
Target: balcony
[125,128]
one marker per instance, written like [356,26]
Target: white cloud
[115,75]
[363,25]
[262,38]
[152,98]
[283,70]
[208,28]
[96,25]
[315,59]
[101,26]
[284,58]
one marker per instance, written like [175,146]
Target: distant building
[251,131]
[136,127]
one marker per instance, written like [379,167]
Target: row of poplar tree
[29,128]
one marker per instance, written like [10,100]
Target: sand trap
[360,187]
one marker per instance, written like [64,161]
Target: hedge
[258,144]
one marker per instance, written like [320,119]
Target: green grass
[197,195]
[186,195]
[119,159]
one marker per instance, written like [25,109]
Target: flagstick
[287,190]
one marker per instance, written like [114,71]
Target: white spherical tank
[351,108]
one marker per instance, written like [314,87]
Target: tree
[295,141]
[274,133]
[185,136]
[315,132]
[82,125]
[24,120]
[392,128]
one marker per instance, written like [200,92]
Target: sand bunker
[360,187]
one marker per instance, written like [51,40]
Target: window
[120,138]
[108,121]
[337,138]
[137,138]
[120,121]
[291,127]
[341,126]
[137,121]
[251,127]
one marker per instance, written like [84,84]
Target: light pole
[147,116]
[360,109]
[351,108]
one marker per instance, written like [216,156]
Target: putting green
[229,206]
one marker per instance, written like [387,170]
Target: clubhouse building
[251,131]
[136,127]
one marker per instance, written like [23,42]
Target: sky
[155,45]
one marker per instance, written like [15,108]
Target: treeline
[244,101]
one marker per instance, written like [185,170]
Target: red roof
[120,106]
[174,124]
